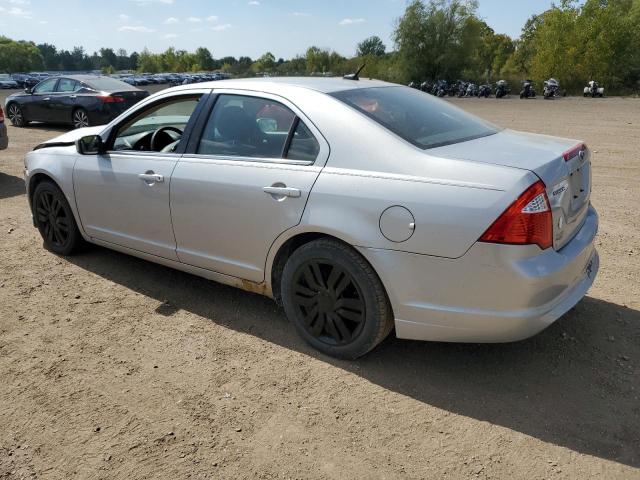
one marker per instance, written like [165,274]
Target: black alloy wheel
[335,299]
[329,301]
[54,219]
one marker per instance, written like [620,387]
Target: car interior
[157,129]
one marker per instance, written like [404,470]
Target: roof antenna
[355,76]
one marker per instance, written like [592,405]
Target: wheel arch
[284,247]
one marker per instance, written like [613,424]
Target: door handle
[73,96]
[151,177]
[282,192]
[47,99]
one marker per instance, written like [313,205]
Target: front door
[123,195]
[243,183]
[39,106]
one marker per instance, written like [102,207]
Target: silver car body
[212,217]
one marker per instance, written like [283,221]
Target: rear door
[244,180]
[63,100]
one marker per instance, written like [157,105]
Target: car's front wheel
[55,220]
[16,116]
[335,299]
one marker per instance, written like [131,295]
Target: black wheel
[80,118]
[14,112]
[54,219]
[335,299]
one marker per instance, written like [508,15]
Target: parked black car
[25,80]
[78,100]
[4,138]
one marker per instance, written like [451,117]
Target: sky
[233,27]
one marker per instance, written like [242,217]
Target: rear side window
[67,85]
[245,126]
[417,117]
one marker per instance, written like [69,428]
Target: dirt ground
[115,368]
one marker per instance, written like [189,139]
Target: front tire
[55,220]
[335,300]
[16,116]
[80,118]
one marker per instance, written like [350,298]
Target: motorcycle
[594,90]
[527,90]
[502,89]
[425,87]
[484,91]
[440,88]
[551,88]
[461,88]
[472,90]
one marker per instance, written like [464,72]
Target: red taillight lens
[110,99]
[527,221]
[1,115]
[574,152]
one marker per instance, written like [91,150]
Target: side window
[46,87]
[157,128]
[66,85]
[304,145]
[243,126]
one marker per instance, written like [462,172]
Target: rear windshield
[107,84]
[419,118]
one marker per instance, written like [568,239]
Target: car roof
[320,84]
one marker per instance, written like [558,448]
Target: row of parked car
[30,80]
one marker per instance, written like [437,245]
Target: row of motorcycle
[551,89]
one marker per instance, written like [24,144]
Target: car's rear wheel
[335,300]
[16,116]
[80,118]
[55,220]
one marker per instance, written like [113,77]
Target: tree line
[433,39]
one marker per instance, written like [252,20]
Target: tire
[335,300]
[80,118]
[16,116]
[50,207]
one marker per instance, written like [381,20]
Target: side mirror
[90,145]
[28,90]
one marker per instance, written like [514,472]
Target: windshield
[417,117]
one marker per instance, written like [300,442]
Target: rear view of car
[4,138]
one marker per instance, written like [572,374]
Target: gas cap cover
[397,224]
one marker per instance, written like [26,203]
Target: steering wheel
[157,135]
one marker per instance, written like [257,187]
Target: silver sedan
[358,205]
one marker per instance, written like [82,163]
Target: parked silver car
[358,205]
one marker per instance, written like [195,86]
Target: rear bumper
[493,294]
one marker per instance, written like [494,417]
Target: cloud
[124,18]
[211,18]
[19,12]
[194,20]
[171,21]
[301,14]
[220,28]
[20,2]
[136,28]
[171,35]
[254,2]
[351,21]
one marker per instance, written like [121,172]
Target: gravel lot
[114,368]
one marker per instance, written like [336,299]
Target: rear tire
[55,220]
[335,299]
[80,118]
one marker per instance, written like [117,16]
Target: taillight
[528,221]
[1,115]
[573,152]
[110,99]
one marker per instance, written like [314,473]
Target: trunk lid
[568,181]
[131,97]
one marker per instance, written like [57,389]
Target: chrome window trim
[200,158]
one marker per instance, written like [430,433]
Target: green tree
[371,46]
[204,58]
